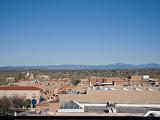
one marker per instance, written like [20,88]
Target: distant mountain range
[84,67]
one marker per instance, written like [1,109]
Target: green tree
[75,82]
[27,103]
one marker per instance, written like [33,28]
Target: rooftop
[19,88]
[119,96]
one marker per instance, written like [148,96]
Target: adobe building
[52,87]
[58,82]
[143,80]
[10,78]
[135,81]
[26,92]
[42,77]
[108,80]
[85,82]
[47,84]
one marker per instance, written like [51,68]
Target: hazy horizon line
[78,64]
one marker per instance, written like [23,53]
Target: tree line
[76,75]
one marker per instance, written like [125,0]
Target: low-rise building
[140,81]
[122,101]
[145,77]
[31,76]
[106,80]
[42,77]
[27,92]
[115,96]
[136,78]
[58,82]
[10,78]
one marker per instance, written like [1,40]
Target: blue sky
[91,32]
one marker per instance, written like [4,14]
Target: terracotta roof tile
[19,88]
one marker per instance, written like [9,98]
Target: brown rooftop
[63,80]
[121,96]
[19,88]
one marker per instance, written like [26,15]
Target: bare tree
[17,103]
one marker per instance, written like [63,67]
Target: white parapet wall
[151,89]
[70,110]
[156,113]
[139,105]
[82,106]
[90,104]
[125,89]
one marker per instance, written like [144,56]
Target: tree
[9,105]
[27,103]
[75,82]
[129,80]
[21,76]
[5,106]
[16,103]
